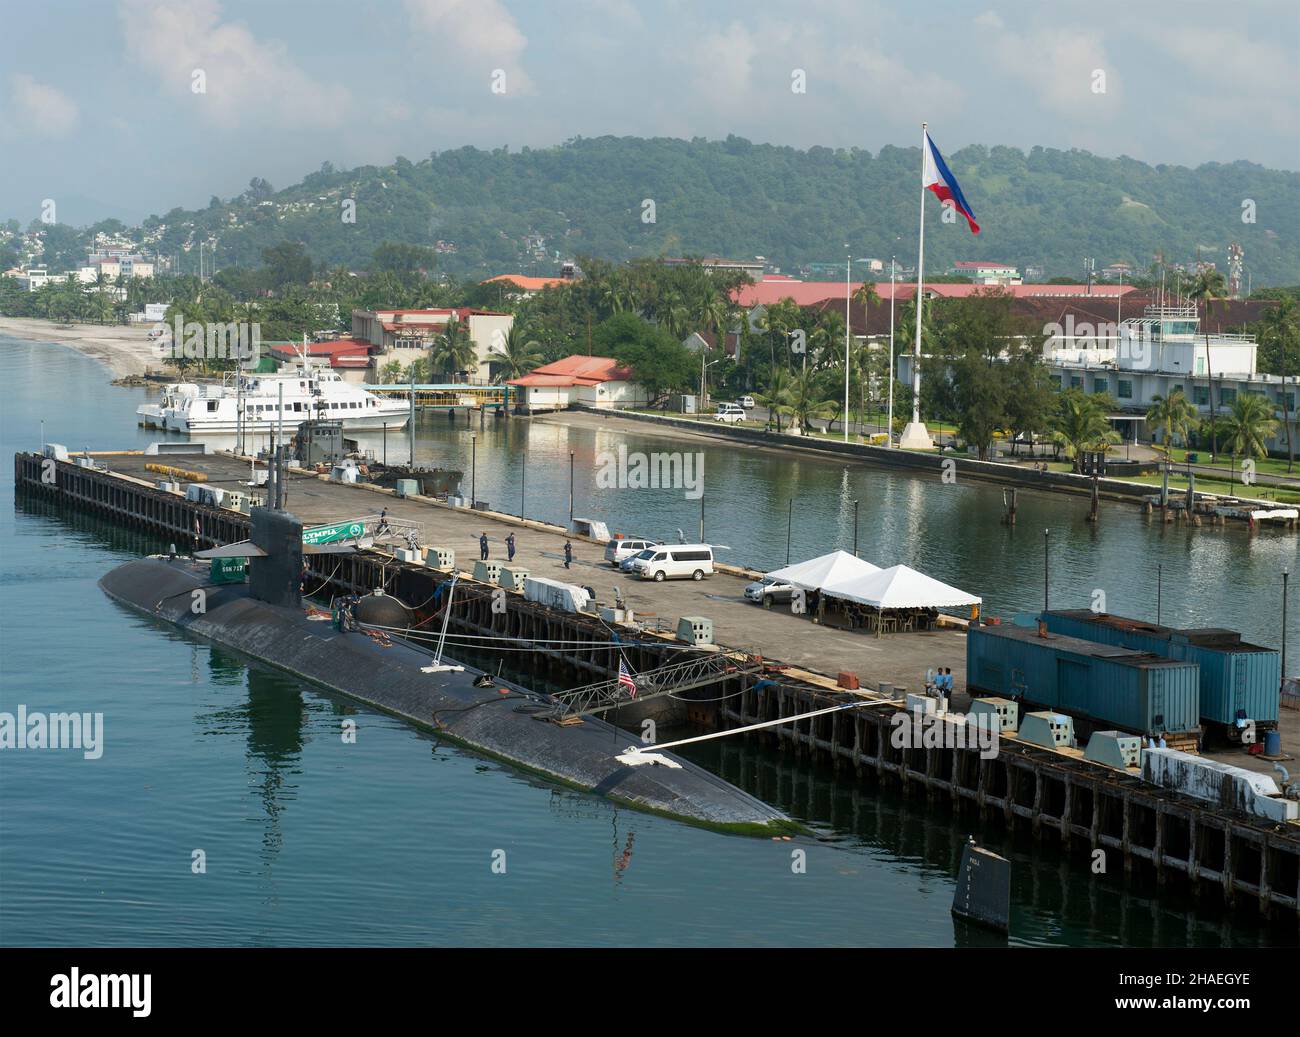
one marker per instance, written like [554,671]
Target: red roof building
[807,293]
[527,284]
[342,353]
[576,370]
[590,381]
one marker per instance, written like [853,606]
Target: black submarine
[264,619]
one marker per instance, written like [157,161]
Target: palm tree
[805,399]
[1081,424]
[866,295]
[103,300]
[674,315]
[774,399]
[516,355]
[1280,327]
[1248,424]
[454,351]
[826,341]
[1209,285]
[716,315]
[1173,415]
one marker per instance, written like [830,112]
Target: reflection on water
[389,839]
[1054,895]
[1211,576]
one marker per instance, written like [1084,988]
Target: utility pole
[1047,533]
[889,418]
[1285,575]
[789,525]
[848,335]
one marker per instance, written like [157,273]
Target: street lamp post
[1285,575]
[889,418]
[704,379]
[1047,533]
[789,525]
[570,488]
[848,335]
[473,470]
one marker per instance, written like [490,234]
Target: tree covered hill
[513,211]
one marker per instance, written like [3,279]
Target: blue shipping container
[1238,679]
[1134,691]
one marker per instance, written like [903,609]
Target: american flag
[625,678]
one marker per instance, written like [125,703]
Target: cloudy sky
[100,106]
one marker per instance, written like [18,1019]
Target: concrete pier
[1142,829]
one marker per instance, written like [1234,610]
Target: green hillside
[1046,208]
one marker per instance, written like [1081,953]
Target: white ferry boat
[253,401]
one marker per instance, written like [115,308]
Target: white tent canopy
[838,567]
[900,587]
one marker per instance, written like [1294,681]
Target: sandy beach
[123,349]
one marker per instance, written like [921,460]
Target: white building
[988,273]
[592,381]
[405,335]
[113,266]
[1163,352]
[34,277]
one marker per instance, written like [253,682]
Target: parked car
[731,413]
[693,560]
[769,589]
[748,402]
[621,548]
[634,563]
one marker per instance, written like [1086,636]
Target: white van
[625,547]
[693,560]
[731,413]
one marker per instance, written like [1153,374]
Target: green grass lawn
[1263,465]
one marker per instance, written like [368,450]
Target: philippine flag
[939,179]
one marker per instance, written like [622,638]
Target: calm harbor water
[390,840]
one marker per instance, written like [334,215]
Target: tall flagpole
[920,279]
[889,427]
[915,435]
[848,267]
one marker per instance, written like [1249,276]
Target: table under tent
[861,595]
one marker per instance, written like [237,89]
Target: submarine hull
[505,726]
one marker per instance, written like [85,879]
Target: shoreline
[123,349]
[1053,484]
